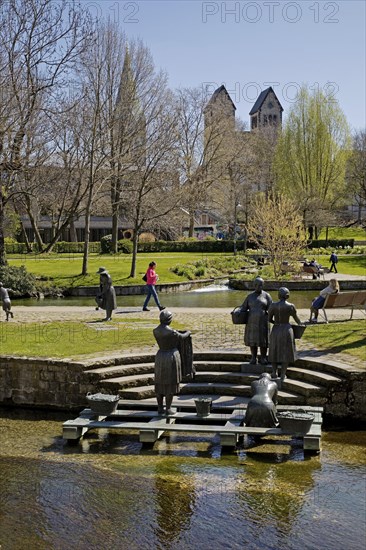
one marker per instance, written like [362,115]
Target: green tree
[356,172]
[311,155]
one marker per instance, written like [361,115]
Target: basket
[203,406]
[298,331]
[239,316]
[296,422]
[102,404]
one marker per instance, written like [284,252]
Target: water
[109,491]
[212,296]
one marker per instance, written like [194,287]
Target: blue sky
[250,45]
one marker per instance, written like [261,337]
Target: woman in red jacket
[152,278]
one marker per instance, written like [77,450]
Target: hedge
[331,243]
[191,246]
[61,247]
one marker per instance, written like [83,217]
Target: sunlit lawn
[72,339]
[64,269]
[356,233]
[346,337]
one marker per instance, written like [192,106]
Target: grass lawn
[63,270]
[355,232]
[72,339]
[346,337]
[347,265]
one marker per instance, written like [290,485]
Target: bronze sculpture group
[262,311]
[261,410]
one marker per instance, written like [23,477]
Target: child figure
[4,295]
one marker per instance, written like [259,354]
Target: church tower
[220,107]
[130,123]
[266,111]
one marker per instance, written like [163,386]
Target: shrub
[106,244]
[125,246]
[18,279]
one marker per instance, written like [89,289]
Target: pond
[210,296]
[109,491]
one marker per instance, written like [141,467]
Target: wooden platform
[151,426]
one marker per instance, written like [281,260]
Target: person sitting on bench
[332,288]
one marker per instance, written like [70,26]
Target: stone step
[145,392]
[314,363]
[303,388]
[314,377]
[135,380]
[225,377]
[122,370]
[233,366]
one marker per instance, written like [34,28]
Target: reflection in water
[174,500]
[110,491]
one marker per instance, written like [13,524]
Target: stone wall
[57,384]
[43,383]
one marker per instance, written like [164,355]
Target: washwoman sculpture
[282,342]
[261,410]
[168,364]
[256,333]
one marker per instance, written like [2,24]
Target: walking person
[4,296]
[333,260]
[332,288]
[151,279]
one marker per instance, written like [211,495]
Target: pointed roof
[217,93]
[127,87]
[261,98]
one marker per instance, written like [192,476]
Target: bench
[311,270]
[354,299]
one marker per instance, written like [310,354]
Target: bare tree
[151,191]
[204,151]
[40,41]
[133,111]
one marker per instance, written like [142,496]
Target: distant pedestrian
[151,279]
[333,260]
[4,295]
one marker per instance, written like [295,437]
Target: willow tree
[311,156]
[276,225]
[356,172]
